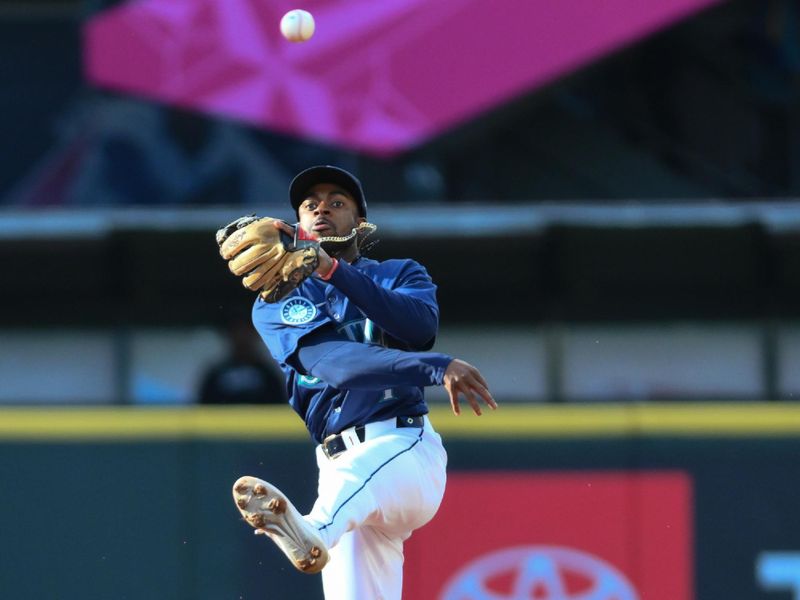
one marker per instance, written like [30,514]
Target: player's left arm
[408,312]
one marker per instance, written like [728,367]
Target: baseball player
[353,337]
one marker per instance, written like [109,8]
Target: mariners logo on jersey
[297,310]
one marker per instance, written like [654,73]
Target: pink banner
[378,76]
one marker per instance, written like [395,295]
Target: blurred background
[606,194]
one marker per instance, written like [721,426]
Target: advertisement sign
[431,65]
[588,535]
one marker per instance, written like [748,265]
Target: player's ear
[361,220]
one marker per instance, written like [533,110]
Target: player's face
[328,210]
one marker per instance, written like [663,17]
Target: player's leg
[394,483]
[363,486]
[369,504]
[364,565]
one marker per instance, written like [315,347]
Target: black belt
[334,445]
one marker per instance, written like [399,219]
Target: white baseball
[297,25]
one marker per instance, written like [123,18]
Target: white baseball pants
[370,498]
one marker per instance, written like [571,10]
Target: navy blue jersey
[355,349]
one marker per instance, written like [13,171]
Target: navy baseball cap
[307,179]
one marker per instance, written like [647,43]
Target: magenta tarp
[379,76]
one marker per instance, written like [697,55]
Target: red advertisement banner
[582,535]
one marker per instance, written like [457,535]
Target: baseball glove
[268,260]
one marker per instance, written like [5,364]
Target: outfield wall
[662,502]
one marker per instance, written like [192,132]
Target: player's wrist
[326,270]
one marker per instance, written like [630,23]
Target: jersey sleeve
[351,365]
[408,311]
[281,338]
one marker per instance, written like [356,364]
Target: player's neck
[349,254]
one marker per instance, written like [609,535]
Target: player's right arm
[353,365]
[350,365]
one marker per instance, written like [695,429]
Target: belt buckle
[325,446]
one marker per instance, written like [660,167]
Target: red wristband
[333,268]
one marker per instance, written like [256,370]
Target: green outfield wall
[135,503]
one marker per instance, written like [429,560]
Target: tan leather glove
[268,260]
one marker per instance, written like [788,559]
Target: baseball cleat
[267,509]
